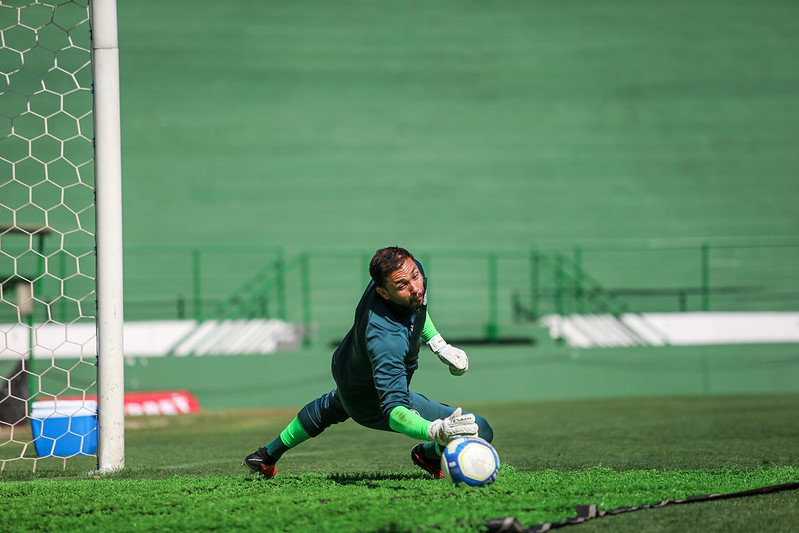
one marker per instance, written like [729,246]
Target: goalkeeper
[373,367]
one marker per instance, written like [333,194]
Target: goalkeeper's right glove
[455,425]
[454,357]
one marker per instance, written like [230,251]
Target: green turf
[444,125]
[183,472]
[354,502]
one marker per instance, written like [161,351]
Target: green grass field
[342,125]
[183,473]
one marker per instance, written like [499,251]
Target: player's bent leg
[312,420]
[484,430]
[428,455]
[322,413]
[431,410]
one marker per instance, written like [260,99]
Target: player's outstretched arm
[441,431]
[451,356]
[454,357]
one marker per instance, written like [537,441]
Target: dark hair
[386,261]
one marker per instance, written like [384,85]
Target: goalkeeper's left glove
[455,425]
[449,355]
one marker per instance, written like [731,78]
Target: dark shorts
[328,409]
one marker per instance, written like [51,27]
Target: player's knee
[484,430]
[321,413]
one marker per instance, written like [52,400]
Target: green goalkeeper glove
[455,425]
[449,355]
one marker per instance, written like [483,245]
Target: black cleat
[261,462]
[418,458]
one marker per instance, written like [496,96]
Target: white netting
[47,262]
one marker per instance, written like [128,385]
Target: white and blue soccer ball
[470,462]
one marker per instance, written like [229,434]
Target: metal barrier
[478,293]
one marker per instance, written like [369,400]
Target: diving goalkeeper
[373,367]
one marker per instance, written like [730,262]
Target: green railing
[487,295]
[190,282]
[476,293]
[486,279]
[270,284]
[573,289]
[755,274]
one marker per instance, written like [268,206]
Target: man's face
[404,286]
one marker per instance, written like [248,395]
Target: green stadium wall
[496,374]
[328,125]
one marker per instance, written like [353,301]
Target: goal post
[108,212]
[61,290]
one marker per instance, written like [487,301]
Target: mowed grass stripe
[184,472]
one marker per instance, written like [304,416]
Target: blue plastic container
[64,428]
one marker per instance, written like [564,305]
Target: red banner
[156,403]
[160,403]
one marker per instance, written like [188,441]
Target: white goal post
[60,233]
[108,211]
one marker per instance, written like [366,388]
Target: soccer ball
[470,462]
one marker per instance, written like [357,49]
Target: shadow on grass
[354,478]
[351,478]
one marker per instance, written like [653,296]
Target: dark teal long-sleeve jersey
[375,362]
[373,367]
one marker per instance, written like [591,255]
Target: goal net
[49,247]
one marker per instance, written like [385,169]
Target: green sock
[276,448]
[432,451]
[290,437]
